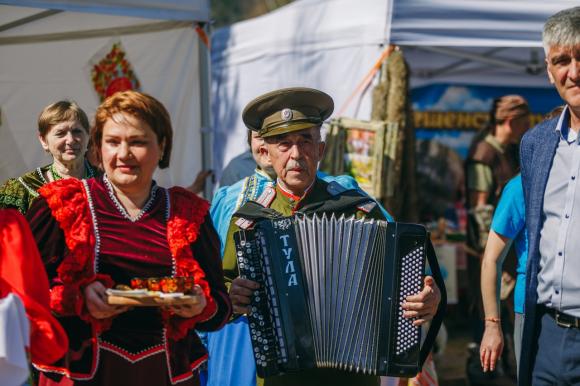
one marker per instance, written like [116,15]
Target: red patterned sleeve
[218,309]
[194,244]
[206,250]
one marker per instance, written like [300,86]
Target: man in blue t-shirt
[508,226]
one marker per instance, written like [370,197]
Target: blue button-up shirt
[558,278]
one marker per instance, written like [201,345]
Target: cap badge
[286,114]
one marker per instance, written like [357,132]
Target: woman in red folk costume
[97,233]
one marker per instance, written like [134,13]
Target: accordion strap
[253,210]
[343,202]
[440,314]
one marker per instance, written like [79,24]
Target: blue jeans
[557,360]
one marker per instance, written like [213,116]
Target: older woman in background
[97,233]
[63,132]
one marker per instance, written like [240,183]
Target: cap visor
[287,129]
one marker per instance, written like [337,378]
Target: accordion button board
[264,324]
[330,294]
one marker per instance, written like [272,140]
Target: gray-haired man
[550,155]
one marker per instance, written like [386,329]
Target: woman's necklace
[88,173]
[54,174]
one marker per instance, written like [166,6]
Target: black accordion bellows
[330,293]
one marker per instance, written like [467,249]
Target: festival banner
[446,119]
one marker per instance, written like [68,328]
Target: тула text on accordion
[330,294]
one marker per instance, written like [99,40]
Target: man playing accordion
[289,120]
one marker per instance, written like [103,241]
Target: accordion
[331,290]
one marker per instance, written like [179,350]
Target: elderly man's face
[564,72]
[295,158]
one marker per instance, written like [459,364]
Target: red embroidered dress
[84,234]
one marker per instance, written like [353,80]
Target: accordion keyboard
[268,346]
[411,268]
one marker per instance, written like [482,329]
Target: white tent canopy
[479,41]
[192,10]
[472,23]
[46,54]
[332,44]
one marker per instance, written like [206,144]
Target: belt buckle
[562,323]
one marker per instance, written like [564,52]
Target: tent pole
[476,57]
[29,19]
[94,33]
[453,66]
[206,132]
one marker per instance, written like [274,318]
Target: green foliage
[226,12]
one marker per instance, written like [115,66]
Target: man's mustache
[296,164]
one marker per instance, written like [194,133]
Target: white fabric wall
[35,75]
[308,43]
[332,44]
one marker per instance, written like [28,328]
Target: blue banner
[446,119]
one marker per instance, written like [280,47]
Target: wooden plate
[145,300]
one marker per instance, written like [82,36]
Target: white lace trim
[33,192]
[69,374]
[122,209]
[167,214]
[125,354]
[95,226]
[171,377]
[167,204]
[39,171]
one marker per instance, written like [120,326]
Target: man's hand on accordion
[241,292]
[423,306]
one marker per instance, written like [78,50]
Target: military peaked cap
[287,110]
